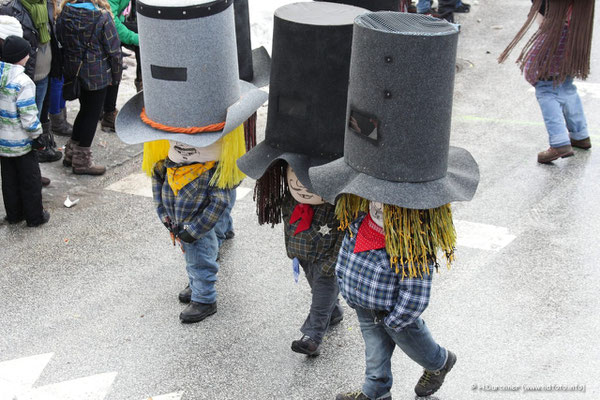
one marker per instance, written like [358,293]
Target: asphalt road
[88,303]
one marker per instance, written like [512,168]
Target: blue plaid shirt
[366,280]
[197,207]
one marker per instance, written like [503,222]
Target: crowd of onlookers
[48,45]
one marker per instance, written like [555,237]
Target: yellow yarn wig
[413,238]
[227,175]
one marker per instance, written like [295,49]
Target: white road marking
[170,396]
[93,387]
[242,192]
[20,374]
[482,236]
[138,184]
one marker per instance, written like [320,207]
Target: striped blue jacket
[19,123]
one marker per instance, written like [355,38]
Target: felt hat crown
[254,65]
[308,88]
[393,152]
[371,5]
[191,79]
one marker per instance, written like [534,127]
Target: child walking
[19,129]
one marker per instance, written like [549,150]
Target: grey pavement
[97,286]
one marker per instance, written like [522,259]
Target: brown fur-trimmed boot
[68,159]
[60,125]
[108,121]
[82,162]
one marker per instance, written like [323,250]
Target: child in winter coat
[19,129]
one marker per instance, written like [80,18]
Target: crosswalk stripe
[482,236]
[170,396]
[93,387]
[20,374]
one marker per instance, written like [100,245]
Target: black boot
[196,312]
[185,296]
[48,153]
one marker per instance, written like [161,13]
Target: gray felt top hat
[308,88]
[395,153]
[372,5]
[190,68]
[254,65]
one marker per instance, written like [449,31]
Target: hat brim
[132,130]
[460,183]
[261,66]
[260,158]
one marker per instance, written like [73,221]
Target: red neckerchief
[304,213]
[370,236]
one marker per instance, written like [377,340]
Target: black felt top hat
[371,5]
[254,65]
[395,153]
[308,88]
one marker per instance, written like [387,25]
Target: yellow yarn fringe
[412,237]
[227,175]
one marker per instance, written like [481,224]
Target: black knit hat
[15,49]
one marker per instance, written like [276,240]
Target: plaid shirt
[366,280]
[197,207]
[314,245]
[531,74]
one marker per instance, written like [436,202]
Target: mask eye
[169,73]
[291,107]
[364,125]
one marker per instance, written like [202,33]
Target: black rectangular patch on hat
[169,73]
[364,125]
[292,107]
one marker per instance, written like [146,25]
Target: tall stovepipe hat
[192,90]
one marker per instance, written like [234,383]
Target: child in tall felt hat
[191,117]
[393,188]
[305,127]
[558,52]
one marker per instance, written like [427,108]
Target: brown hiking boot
[582,144]
[82,162]
[554,153]
[68,159]
[60,125]
[108,121]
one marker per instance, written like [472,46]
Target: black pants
[22,188]
[86,122]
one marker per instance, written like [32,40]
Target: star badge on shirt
[325,230]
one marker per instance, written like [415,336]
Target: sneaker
[358,395]
[196,312]
[185,296]
[462,8]
[45,218]
[582,144]
[306,346]
[431,381]
[554,153]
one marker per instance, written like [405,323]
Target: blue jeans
[562,111]
[57,102]
[415,341]
[225,223]
[423,6]
[41,87]
[202,267]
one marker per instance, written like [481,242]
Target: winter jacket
[30,33]
[74,27]
[19,123]
[126,36]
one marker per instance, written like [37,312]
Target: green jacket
[126,36]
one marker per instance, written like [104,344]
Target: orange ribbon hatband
[174,129]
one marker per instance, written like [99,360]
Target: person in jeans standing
[81,23]
[37,19]
[559,51]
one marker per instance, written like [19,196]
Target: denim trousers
[562,111]
[225,223]
[202,267]
[57,102]
[41,87]
[423,6]
[414,340]
[325,303]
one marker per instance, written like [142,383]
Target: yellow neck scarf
[181,176]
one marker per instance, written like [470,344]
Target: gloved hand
[184,236]
[167,224]
[36,144]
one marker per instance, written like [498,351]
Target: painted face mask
[299,192]
[376,212]
[182,153]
